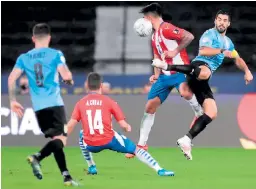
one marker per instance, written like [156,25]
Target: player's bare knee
[152,105]
[187,94]
[212,113]
[210,108]
[205,73]
[185,91]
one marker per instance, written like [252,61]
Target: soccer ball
[143,27]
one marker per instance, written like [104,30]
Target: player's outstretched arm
[65,74]
[240,63]
[125,126]
[71,125]
[15,106]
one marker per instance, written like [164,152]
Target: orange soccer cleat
[132,155]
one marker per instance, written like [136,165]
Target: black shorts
[200,88]
[52,121]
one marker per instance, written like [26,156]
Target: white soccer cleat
[186,146]
[159,64]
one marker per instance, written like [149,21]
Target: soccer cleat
[36,168]
[68,181]
[185,145]
[92,170]
[133,155]
[164,172]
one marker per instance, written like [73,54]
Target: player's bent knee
[185,91]
[152,105]
[62,138]
[202,72]
[212,114]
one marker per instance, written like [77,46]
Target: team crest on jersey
[176,31]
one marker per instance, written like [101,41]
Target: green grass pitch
[212,168]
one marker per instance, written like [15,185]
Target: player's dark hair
[154,8]
[94,81]
[41,29]
[224,12]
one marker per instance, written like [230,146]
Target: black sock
[45,151]
[199,126]
[186,69]
[60,157]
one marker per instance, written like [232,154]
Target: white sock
[146,158]
[87,155]
[196,107]
[145,128]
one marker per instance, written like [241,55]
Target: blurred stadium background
[99,36]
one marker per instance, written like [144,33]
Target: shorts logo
[65,129]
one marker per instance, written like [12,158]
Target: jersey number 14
[95,123]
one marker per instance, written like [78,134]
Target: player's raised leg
[205,97]
[92,170]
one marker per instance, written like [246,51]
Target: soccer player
[214,46]
[42,66]
[95,111]
[169,43]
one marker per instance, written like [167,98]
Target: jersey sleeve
[231,45]
[206,40]
[76,115]
[116,111]
[172,32]
[19,63]
[60,59]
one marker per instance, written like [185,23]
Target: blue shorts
[163,86]
[119,143]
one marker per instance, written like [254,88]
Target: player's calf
[129,156]
[146,158]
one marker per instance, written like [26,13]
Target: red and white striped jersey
[167,38]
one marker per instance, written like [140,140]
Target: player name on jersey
[93,102]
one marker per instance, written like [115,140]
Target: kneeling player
[95,112]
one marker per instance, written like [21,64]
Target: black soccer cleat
[36,167]
[68,181]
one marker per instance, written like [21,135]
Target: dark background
[74,28]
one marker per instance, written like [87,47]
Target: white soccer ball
[143,27]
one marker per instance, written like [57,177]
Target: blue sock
[87,155]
